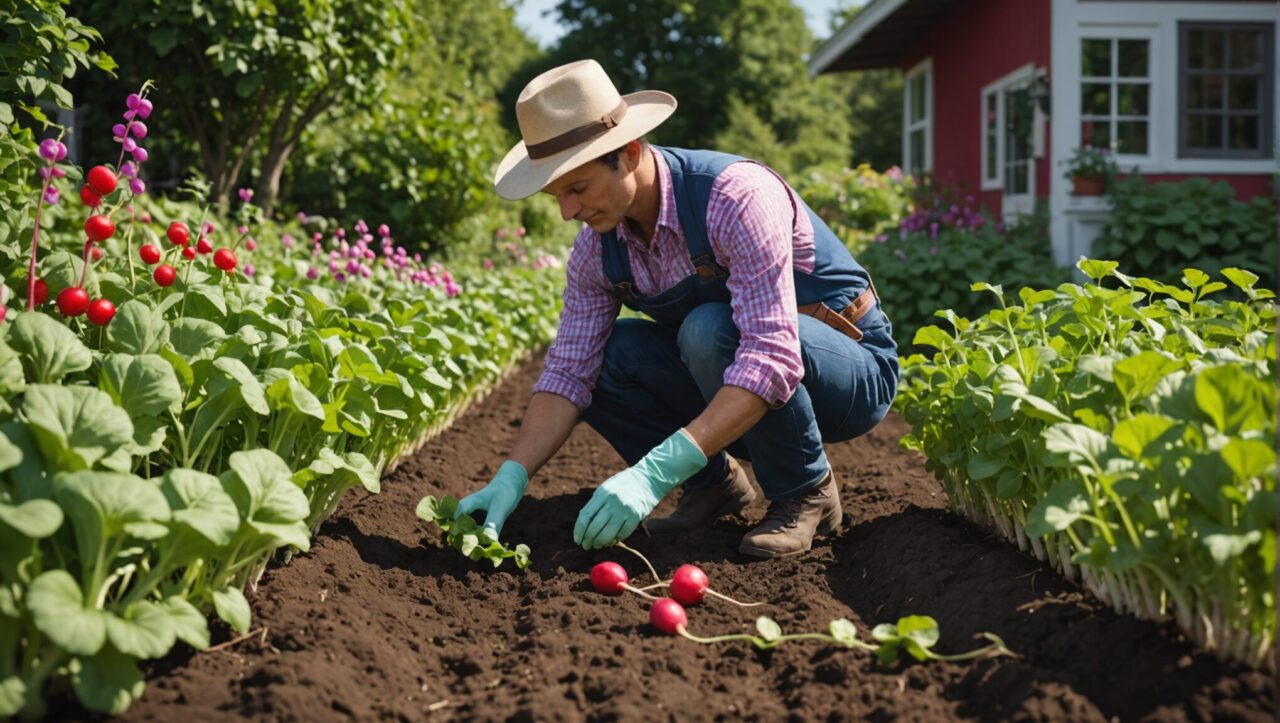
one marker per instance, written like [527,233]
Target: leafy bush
[1125,435]
[857,203]
[1157,230]
[931,261]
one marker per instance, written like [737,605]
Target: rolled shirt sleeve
[753,225]
[573,362]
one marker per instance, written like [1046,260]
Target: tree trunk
[269,182]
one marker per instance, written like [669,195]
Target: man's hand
[625,499]
[498,498]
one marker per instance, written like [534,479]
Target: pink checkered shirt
[758,231]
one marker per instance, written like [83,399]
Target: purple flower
[119,131]
[130,145]
[302,216]
[137,187]
[384,231]
[128,169]
[249,270]
[52,196]
[140,154]
[138,129]
[933,230]
[287,240]
[339,276]
[132,101]
[362,227]
[312,273]
[144,108]
[246,195]
[341,233]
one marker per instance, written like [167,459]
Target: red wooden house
[998,93]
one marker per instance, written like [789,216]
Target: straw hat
[571,115]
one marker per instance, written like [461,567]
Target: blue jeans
[655,380]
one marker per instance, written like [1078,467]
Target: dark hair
[610,159]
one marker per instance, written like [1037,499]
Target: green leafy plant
[1157,229]
[1123,434]
[464,535]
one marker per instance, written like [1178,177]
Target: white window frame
[925,68]
[1010,204]
[1155,93]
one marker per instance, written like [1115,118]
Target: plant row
[1124,431]
[153,458]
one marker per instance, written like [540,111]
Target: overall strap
[617,267]
[692,175]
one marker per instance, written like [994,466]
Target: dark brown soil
[380,621]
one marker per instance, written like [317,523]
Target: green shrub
[858,204]
[918,271]
[1157,230]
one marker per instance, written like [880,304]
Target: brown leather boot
[790,525]
[703,505]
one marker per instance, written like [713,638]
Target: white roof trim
[848,36]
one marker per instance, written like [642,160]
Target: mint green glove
[498,498]
[625,499]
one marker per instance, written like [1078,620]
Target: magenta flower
[138,129]
[137,187]
[341,233]
[140,154]
[250,245]
[384,231]
[287,240]
[249,270]
[520,231]
[488,264]
[52,196]
[246,195]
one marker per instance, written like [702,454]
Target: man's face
[597,195]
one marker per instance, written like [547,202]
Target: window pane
[918,110]
[1206,48]
[1243,92]
[1243,132]
[1095,57]
[917,150]
[1015,178]
[1131,98]
[1204,131]
[1204,92]
[1096,99]
[1096,134]
[1133,58]
[1246,49]
[1131,137]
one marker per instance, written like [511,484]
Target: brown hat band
[579,135]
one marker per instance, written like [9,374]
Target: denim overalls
[657,376]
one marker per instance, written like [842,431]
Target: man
[767,338]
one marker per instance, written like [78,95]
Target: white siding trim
[925,68]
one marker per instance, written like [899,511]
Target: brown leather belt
[844,321]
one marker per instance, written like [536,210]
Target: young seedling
[916,634]
[688,585]
[469,538]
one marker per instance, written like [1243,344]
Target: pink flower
[246,195]
[242,230]
[502,233]
[384,230]
[137,187]
[488,264]
[302,216]
[894,174]
[317,237]
[250,245]
[249,270]
[52,196]
[341,233]
[312,273]
[520,231]
[287,240]
[207,228]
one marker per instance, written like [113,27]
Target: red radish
[610,578]
[96,253]
[188,253]
[99,228]
[42,291]
[668,616]
[689,585]
[101,312]
[178,233]
[90,197]
[102,180]
[204,246]
[164,275]
[73,301]
[150,253]
[225,259]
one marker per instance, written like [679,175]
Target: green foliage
[43,47]
[919,272]
[250,78]
[857,203]
[873,104]
[1123,434]
[465,536]
[1158,229]
[423,157]
[735,66]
